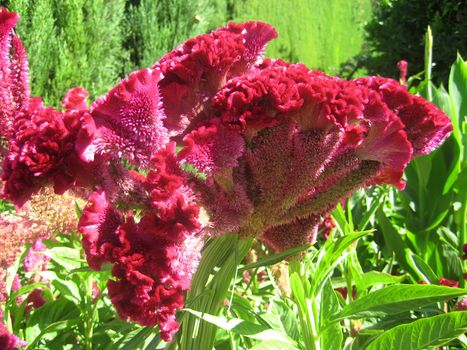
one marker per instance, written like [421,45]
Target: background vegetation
[387,237]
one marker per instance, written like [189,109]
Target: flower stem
[216,271]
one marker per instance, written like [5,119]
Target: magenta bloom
[128,120]
[41,140]
[153,259]
[9,341]
[35,260]
[281,145]
[198,68]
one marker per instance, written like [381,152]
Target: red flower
[309,142]
[34,301]
[196,70]
[153,259]
[128,120]
[41,141]
[9,341]
[448,283]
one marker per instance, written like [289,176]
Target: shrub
[397,32]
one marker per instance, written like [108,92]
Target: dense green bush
[93,43]
[64,40]
[321,34]
[397,30]
[153,28]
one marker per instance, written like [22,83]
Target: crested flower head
[153,258]
[296,142]
[195,70]
[41,140]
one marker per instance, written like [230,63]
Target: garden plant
[218,199]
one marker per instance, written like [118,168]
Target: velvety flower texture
[9,341]
[154,257]
[281,145]
[41,140]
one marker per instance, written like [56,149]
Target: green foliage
[396,33]
[70,50]
[424,333]
[320,34]
[156,27]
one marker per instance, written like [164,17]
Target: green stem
[90,309]
[428,63]
[309,318]
[216,271]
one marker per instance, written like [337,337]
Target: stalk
[216,271]
[428,63]
[309,316]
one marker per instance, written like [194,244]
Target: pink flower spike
[14,74]
[129,119]
[402,65]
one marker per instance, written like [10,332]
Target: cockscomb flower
[40,140]
[9,341]
[296,142]
[198,68]
[154,257]
[274,147]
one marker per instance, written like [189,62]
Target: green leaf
[134,340]
[274,259]
[372,278]
[54,327]
[458,87]
[329,257]
[422,334]
[377,202]
[282,318]
[331,337]
[273,344]
[24,290]
[396,299]
[396,244]
[298,290]
[68,258]
[241,327]
[423,269]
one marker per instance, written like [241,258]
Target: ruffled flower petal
[195,70]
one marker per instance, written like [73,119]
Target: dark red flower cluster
[153,257]
[281,145]
[9,341]
[41,141]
